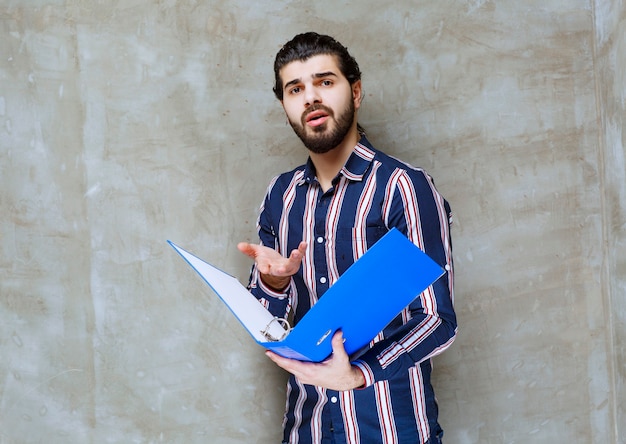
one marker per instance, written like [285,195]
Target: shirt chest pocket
[351,243]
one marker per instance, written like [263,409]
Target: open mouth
[316,118]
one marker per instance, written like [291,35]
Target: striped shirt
[373,193]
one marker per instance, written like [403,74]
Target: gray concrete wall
[126,123]
[611,72]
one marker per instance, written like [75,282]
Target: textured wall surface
[611,67]
[126,123]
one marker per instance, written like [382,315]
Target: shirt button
[323,280]
[333,400]
[320,240]
[447,267]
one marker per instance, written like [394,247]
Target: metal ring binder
[283,322]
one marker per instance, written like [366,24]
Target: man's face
[319,101]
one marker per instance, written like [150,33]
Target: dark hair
[304,46]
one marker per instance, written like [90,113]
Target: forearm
[417,341]
[276,302]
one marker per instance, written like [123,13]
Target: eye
[327,82]
[294,90]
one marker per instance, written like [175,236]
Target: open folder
[373,291]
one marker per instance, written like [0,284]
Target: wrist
[276,283]
[359,377]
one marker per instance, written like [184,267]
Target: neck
[328,165]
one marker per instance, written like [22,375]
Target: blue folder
[373,291]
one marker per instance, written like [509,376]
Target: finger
[337,345]
[302,247]
[284,363]
[273,356]
[295,258]
[246,249]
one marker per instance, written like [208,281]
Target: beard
[320,139]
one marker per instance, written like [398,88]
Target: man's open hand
[276,270]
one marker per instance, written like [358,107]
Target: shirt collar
[355,168]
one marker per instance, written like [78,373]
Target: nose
[311,97]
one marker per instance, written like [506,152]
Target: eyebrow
[318,75]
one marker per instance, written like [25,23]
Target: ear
[357,94]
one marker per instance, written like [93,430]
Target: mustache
[313,108]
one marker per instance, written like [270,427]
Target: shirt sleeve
[429,323]
[277,303]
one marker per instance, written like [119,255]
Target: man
[319,219]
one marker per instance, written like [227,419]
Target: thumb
[302,247]
[337,343]
[297,254]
